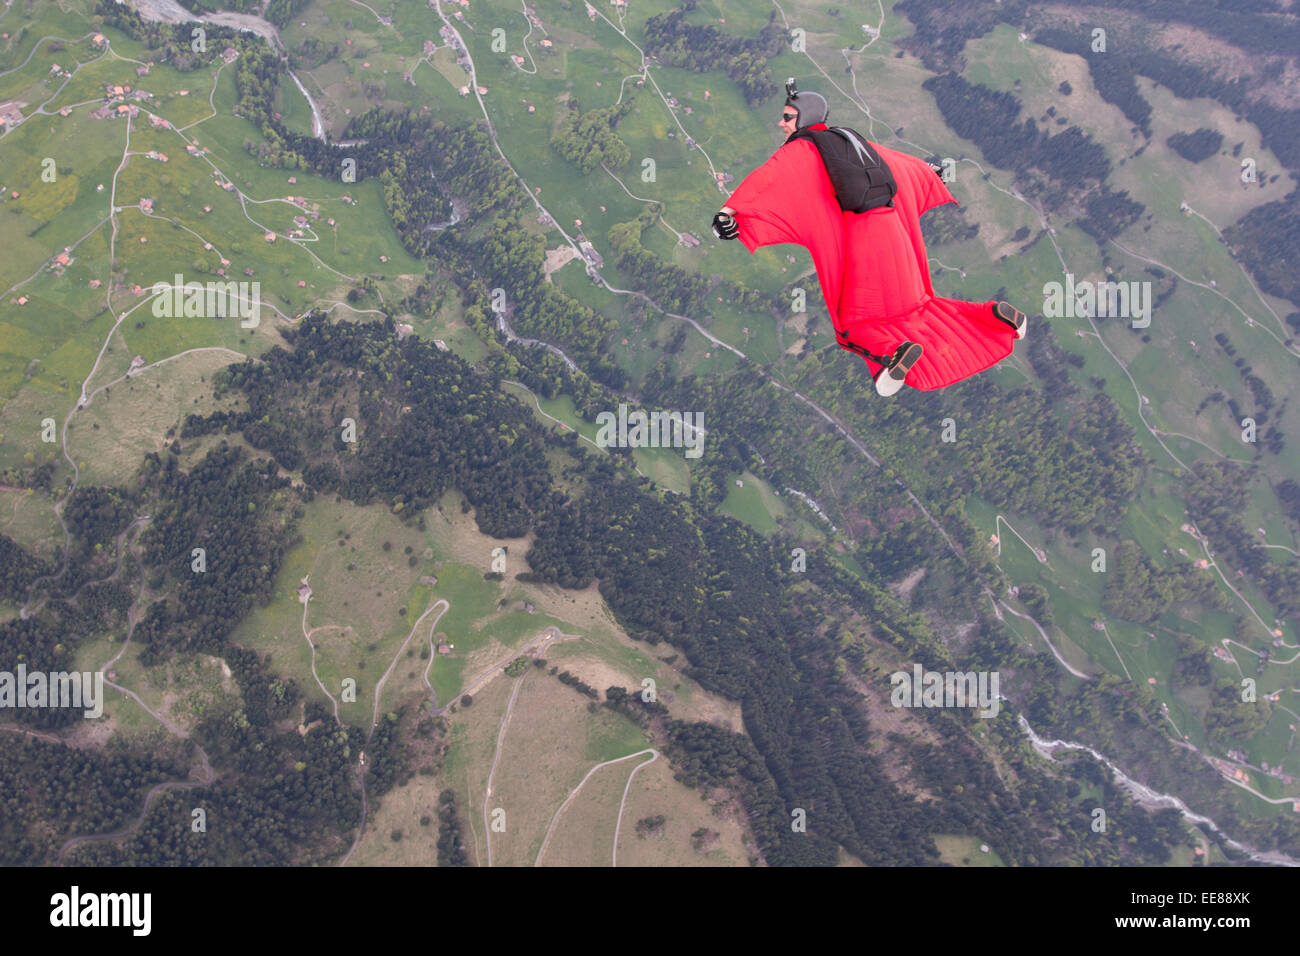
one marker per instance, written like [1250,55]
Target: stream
[169,11]
[1150,799]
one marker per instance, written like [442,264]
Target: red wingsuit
[872,266]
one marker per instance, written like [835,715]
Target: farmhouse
[590,254]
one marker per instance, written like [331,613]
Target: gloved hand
[724,226]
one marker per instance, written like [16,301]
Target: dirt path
[618,821]
[361,769]
[379,687]
[209,777]
[549,830]
[533,647]
[496,757]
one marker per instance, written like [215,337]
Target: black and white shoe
[890,378]
[1012,317]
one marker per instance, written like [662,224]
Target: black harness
[861,178]
[855,347]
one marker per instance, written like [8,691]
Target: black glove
[724,226]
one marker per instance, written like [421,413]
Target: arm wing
[790,199]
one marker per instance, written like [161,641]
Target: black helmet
[812,107]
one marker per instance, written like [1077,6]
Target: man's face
[789,120]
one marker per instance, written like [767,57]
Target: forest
[990,120]
[18,569]
[673,288]
[947,224]
[1109,214]
[1216,500]
[1137,590]
[451,841]
[1255,238]
[49,789]
[278,12]
[702,48]
[590,139]
[1196,146]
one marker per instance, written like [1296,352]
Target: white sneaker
[1012,317]
[890,378]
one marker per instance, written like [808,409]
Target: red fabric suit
[872,266]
